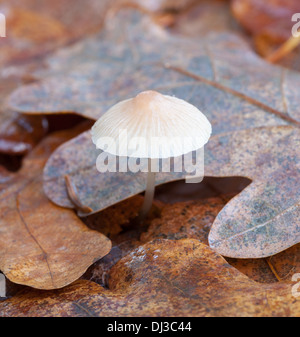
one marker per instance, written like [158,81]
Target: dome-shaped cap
[151,125]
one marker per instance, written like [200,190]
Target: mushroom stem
[149,193]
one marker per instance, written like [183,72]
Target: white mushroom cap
[151,125]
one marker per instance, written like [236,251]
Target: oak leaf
[162,278]
[140,56]
[42,245]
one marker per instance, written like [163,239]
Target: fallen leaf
[259,222]
[216,68]
[111,220]
[204,17]
[163,5]
[18,134]
[270,23]
[43,245]
[264,218]
[162,278]
[273,16]
[193,220]
[38,27]
[276,268]
[77,159]
[190,219]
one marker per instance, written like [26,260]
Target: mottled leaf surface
[261,221]
[216,73]
[77,159]
[162,278]
[264,218]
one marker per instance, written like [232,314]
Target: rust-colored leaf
[193,219]
[271,26]
[272,15]
[204,17]
[37,27]
[18,134]
[162,278]
[43,245]
[276,268]
[190,219]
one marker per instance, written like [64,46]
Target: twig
[273,270]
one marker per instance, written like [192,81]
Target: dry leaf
[162,278]
[190,219]
[37,27]
[216,68]
[272,16]
[261,221]
[264,218]
[96,191]
[42,245]
[18,134]
[204,17]
[193,219]
[277,268]
[270,23]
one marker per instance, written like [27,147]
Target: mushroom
[151,119]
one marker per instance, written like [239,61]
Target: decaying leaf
[162,278]
[41,244]
[77,159]
[18,134]
[205,16]
[110,221]
[270,23]
[264,218]
[190,219]
[193,219]
[277,268]
[272,16]
[215,73]
[261,221]
[37,27]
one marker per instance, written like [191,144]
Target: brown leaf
[162,278]
[270,24]
[190,219]
[42,245]
[204,17]
[36,27]
[18,134]
[273,16]
[277,268]
[110,220]
[163,5]
[193,219]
